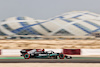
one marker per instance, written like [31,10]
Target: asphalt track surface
[49,60]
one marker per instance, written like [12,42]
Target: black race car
[38,53]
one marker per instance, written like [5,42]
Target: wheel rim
[26,56]
[61,56]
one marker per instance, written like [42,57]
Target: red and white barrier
[0,51]
[90,51]
[65,51]
[72,51]
[10,52]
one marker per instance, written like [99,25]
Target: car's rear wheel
[27,56]
[61,56]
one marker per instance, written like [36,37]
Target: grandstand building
[75,23]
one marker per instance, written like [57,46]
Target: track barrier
[72,51]
[64,51]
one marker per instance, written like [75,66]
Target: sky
[45,9]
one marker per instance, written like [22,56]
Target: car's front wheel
[61,56]
[27,56]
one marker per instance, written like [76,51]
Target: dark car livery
[38,53]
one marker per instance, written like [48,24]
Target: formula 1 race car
[38,53]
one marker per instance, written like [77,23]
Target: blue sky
[44,9]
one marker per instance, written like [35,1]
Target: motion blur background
[49,18]
[52,24]
[49,24]
[71,27]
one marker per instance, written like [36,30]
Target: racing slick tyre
[61,56]
[27,56]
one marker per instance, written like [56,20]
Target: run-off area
[50,64]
